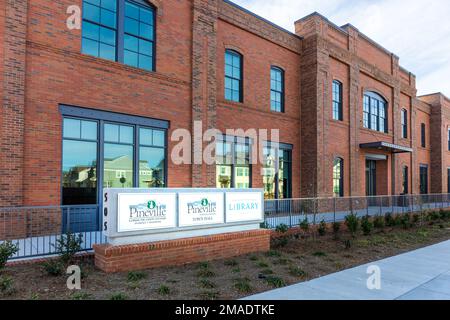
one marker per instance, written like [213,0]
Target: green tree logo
[151,204]
[205,202]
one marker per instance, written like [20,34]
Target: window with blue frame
[337,101]
[120,30]
[276,89]
[233,76]
[375,112]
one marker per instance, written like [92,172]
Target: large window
[404,124]
[375,112]
[423,138]
[405,181]
[423,179]
[337,101]
[276,89]
[233,76]
[448,139]
[120,30]
[103,153]
[277,171]
[338,177]
[233,168]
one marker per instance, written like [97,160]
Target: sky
[418,31]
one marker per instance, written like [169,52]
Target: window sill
[390,135]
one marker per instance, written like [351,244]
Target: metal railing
[36,230]
[292,212]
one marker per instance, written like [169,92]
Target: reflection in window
[151,158]
[233,163]
[338,178]
[233,76]
[79,168]
[276,89]
[118,156]
[337,101]
[277,172]
[374,112]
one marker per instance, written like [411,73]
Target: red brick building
[96,107]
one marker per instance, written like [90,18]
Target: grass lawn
[302,258]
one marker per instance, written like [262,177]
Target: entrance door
[371,178]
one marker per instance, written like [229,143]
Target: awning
[381,145]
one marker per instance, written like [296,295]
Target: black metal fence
[292,212]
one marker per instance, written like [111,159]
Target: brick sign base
[181,251]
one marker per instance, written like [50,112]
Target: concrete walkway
[423,274]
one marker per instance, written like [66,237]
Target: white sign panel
[146,211]
[199,209]
[244,206]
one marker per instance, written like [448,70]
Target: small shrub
[53,267]
[118,296]
[81,296]
[322,228]
[398,220]
[406,221]
[275,282]
[319,254]
[281,261]
[352,223]
[6,286]
[209,295]
[243,285]
[273,253]
[389,220]
[336,229]
[253,258]
[433,216]
[282,228]
[205,273]
[164,290]
[134,276]
[7,250]
[230,263]
[347,244]
[206,284]
[366,225]
[68,245]
[267,271]
[262,264]
[304,225]
[236,270]
[378,222]
[416,218]
[203,265]
[296,272]
[264,225]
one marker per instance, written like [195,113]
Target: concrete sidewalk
[423,274]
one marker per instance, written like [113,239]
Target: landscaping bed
[295,257]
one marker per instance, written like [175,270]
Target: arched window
[122,30]
[375,112]
[233,76]
[337,101]
[338,177]
[404,124]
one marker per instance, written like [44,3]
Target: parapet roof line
[262,19]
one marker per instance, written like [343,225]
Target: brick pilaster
[13,87]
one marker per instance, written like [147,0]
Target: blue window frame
[233,76]
[276,89]
[120,30]
[375,112]
[404,124]
[337,101]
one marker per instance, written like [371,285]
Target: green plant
[282,228]
[68,245]
[296,271]
[275,282]
[243,285]
[134,276]
[206,273]
[264,225]
[273,253]
[352,223]
[378,222]
[280,242]
[6,286]
[118,296]
[389,220]
[433,216]
[322,229]
[206,284]
[336,229]
[230,263]
[53,267]
[262,264]
[203,265]
[7,250]
[267,271]
[366,225]
[236,270]
[253,258]
[406,221]
[397,220]
[416,218]
[281,261]
[304,225]
[164,290]
[81,296]
[319,254]
[347,244]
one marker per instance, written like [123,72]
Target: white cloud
[417,31]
